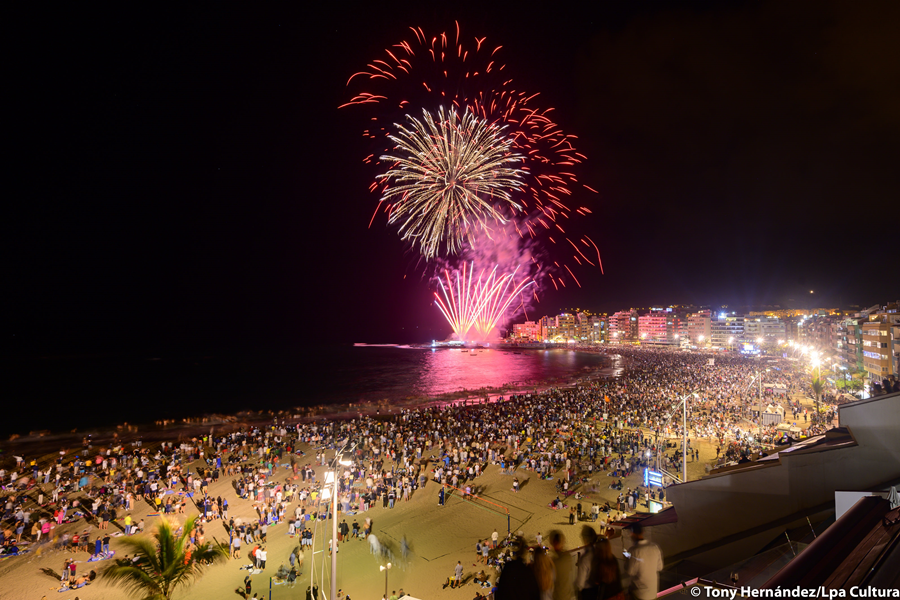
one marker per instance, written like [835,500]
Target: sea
[62,393]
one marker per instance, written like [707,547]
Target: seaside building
[770,329]
[545,324]
[790,327]
[565,325]
[849,344]
[623,326]
[726,330]
[700,327]
[529,331]
[600,328]
[658,327]
[590,329]
[879,345]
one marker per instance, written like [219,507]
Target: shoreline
[46,441]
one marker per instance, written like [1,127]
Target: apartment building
[726,330]
[768,329]
[623,326]
[700,327]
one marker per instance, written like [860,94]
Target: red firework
[425,72]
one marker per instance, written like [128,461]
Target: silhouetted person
[517,581]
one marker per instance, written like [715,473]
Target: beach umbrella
[894,497]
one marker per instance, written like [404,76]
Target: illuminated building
[658,327]
[623,326]
[726,330]
[527,331]
[878,345]
[699,327]
[770,329]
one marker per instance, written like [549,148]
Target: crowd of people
[583,437]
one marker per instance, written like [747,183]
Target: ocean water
[86,392]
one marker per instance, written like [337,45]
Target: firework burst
[482,305]
[430,71]
[451,175]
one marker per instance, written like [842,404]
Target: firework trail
[459,308]
[482,305]
[450,176]
[498,294]
[428,72]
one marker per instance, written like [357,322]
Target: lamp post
[684,437]
[684,398]
[332,477]
[385,568]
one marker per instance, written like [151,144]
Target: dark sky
[183,180]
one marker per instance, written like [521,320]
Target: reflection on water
[450,370]
[133,388]
[384,373]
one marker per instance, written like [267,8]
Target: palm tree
[817,387]
[166,561]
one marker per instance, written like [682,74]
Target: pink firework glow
[474,309]
[426,72]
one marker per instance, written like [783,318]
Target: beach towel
[101,556]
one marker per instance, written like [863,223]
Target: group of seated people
[285,575]
[557,504]
[75,583]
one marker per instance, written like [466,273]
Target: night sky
[183,180]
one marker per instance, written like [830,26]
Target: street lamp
[385,568]
[332,478]
[683,401]
[684,434]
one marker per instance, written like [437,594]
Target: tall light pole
[332,477]
[683,401]
[385,568]
[684,437]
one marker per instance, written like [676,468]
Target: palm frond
[163,564]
